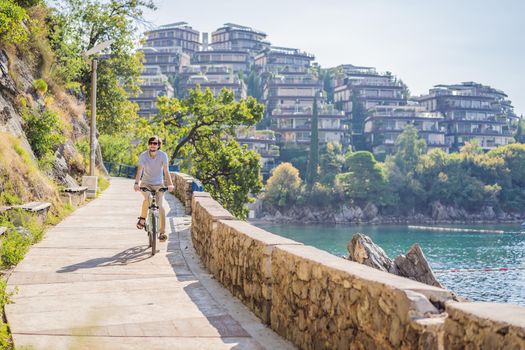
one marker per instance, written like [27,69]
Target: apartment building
[294,125]
[289,81]
[385,123]
[153,83]
[264,143]
[369,87]
[170,62]
[214,77]
[235,37]
[239,61]
[289,96]
[175,35]
[473,111]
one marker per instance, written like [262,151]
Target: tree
[408,149]
[254,84]
[520,131]
[331,163]
[230,172]
[359,114]
[77,26]
[295,154]
[283,186]
[401,168]
[511,175]
[313,157]
[200,130]
[365,180]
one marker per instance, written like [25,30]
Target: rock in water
[414,265]
[366,252]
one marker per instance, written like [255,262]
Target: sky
[425,42]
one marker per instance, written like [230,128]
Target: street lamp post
[91,181]
[93,131]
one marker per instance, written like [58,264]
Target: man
[153,168]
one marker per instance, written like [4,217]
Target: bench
[74,196]
[38,209]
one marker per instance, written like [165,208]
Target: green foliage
[7,198]
[229,173]
[254,84]
[283,186]
[40,85]
[359,114]
[78,26]
[313,155]
[295,154]
[200,129]
[60,212]
[320,195]
[117,149]
[103,183]
[331,163]
[520,131]
[29,3]
[14,247]
[82,146]
[365,180]
[5,298]
[42,128]
[12,17]
[408,150]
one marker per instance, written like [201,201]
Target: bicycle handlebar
[145,189]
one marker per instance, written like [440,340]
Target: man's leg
[162,212]
[144,208]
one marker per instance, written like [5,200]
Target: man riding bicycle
[153,169]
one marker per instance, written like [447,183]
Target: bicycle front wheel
[153,235]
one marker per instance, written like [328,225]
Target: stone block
[483,325]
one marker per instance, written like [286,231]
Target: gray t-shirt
[153,167]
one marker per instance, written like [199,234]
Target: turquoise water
[444,251]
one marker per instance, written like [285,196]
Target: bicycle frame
[153,213]
[152,221]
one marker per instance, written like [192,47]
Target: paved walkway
[92,284]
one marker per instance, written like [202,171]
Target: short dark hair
[155,138]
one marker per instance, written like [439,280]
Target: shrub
[283,186]
[82,147]
[5,298]
[40,85]
[12,16]
[14,247]
[42,130]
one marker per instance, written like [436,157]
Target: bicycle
[152,222]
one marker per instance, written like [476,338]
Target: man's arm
[168,178]
[137,178]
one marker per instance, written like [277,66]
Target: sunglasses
[153,143]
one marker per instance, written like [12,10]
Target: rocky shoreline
[371,215]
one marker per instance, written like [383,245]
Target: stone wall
[183,183]
[320,301]
[480,325]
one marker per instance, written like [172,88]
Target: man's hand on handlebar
[171,188]
[136,187]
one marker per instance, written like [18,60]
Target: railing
[120,170]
